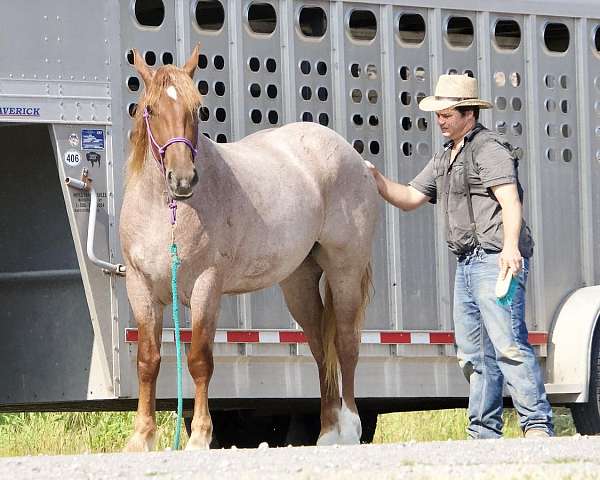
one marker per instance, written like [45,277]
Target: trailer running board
[369,337]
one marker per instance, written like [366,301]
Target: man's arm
[512,214]
[404,197]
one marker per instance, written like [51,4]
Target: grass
[77,432]
[442,425]
[70,433]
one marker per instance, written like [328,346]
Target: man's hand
[402,196]
[510,258]
[379,180]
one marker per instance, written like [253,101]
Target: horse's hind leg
[148,315]
[301,293]
[347,283]
[205,303]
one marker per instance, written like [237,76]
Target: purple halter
[160,160]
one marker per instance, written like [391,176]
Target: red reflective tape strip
[298,336]
[441,338]
[243,337]
[292,337]
[538,338]
[185,335]
[395,337]
[131,335]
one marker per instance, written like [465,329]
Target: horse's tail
[328,327]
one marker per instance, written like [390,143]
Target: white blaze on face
[172,92]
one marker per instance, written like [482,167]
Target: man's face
[453,124]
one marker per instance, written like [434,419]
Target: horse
[281,206]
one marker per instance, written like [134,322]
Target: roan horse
[280,206]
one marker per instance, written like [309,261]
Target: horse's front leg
[148,313]
[205,303]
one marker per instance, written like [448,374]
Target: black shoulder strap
[468,193]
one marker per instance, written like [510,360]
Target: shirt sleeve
[495,164]
[424,182]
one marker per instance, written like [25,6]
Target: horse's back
[347,189]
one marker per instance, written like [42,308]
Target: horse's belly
[266,270]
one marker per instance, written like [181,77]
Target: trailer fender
[570,344]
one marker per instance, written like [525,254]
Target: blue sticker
[92,139]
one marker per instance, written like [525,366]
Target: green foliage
[69,433]
[451,425]
[77,432]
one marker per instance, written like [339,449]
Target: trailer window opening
[556,37]
[597,38]
[362,25]
[459,32]
[262,18]
[312,21]
[411,28]
[210,15]
[507,34]
[149,13]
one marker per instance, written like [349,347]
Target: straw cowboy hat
[454,91]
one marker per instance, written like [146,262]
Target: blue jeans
[492,345]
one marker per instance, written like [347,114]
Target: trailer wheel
[587,415]
[368,420]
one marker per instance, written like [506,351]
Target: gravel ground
[547,459]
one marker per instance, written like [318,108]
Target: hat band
[455,99]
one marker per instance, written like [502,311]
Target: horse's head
[168,112]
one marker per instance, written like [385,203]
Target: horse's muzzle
[181,188]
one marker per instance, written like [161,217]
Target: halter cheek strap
[160,157]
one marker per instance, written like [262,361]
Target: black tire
[586,416]
[368,420]
[245,429]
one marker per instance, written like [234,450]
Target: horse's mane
[187,93]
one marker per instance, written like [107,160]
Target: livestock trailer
[67,96]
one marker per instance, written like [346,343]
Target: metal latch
[85,184]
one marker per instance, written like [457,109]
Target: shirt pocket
[457,181]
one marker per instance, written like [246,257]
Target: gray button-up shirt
[489,162]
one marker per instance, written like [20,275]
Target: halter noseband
[160,159]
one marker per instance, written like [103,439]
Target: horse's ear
[144,70]
[192,63]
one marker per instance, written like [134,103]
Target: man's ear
[192,62]
[144,70]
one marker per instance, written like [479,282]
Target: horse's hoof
[197,442]
[331,437]
[140,443]
[350,426]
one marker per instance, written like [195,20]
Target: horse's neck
[151,183]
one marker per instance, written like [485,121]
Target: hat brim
[433,104]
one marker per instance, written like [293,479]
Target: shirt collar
[467,138]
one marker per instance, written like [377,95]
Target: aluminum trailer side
[67,94]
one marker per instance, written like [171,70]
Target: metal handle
[85,185]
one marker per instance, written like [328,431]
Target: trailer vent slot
[362,25]
[149,13]
[507,35]
[556,37]
[262,18]
[210,15]
[459,32]
[597,39]
[313,21]
[411,28]
[150,57]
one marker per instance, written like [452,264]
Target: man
[474,180]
